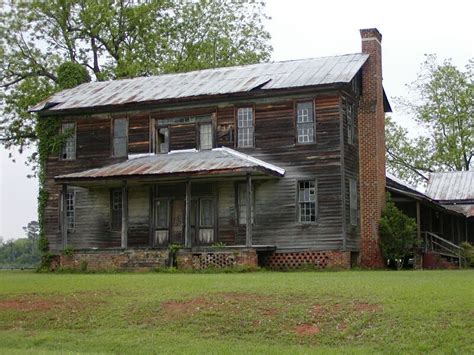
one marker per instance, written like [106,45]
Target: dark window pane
[207,218]
[162,214]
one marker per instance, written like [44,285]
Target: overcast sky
[304,29]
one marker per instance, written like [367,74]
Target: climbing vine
[50,141]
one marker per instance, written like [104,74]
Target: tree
[397,234]
[32,230]
[115,39]
[443,108]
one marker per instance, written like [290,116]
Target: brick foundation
[218,259]
[101,260]
[323,259]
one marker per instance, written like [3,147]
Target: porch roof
[218,161]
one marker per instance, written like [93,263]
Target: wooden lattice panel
[296,260]
[213,260]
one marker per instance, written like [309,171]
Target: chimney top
[367,33]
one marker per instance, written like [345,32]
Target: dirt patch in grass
[221,302]
[306,329]
[367,307]
[44,303]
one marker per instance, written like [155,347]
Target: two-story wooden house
[282,160]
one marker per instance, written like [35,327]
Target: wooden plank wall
[139,133]
[351,170]
[276,205]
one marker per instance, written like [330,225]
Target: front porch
[114,217]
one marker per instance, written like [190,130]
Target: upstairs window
[162,140]
[305,122]
[120,141]
[245,127]
[68,151]
[116,213]
[205,136]
[307,201]
[348,109]
[353,212]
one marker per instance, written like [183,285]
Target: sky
[305,29]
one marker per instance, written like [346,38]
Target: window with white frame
[353,211]
[307,201]
[120,141]
[348,109]
[242,204]
[305,122]
[205,136]
[245,127]
[68,151]
[69,210]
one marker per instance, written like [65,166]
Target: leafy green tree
[115,39]
[443,109]
[397,234]
[71,74]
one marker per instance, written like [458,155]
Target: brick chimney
[371,150]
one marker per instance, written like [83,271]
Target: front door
[177,222]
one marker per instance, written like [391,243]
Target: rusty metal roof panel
[178,162]
[451,186]
[228,80]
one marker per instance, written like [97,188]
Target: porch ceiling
[185,163]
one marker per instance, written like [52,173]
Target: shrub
[68,251]
[397,234]
[468,253]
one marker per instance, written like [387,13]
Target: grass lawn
[262,312]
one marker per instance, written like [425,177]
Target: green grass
[264,312]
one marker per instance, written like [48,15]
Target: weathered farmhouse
[284,161]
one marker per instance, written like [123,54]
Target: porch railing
[435,244]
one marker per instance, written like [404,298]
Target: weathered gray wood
[187,218]
[64,215]
[124,236]
[248,227]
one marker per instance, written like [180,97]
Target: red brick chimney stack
[371,149]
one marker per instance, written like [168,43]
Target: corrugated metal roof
[451,186]
[394,184]
[264,76]
[187,162]
[467,210]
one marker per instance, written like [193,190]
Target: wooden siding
[183,136]
[139,133]
[275,199]
[351,171]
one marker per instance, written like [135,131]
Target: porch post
[248,227]
[418,221]
[64,215]
[124,214]
[187,221]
